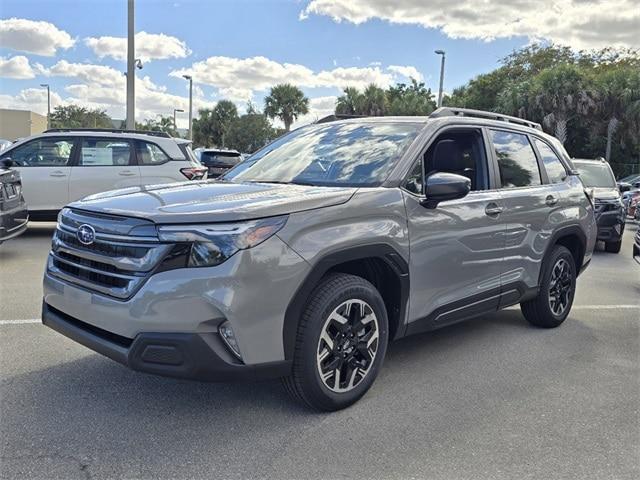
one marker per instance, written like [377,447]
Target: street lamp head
[439,52]
[45,85]
[138,63]
[186,77]
[178,110]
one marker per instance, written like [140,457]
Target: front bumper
[194,356]
[611,225]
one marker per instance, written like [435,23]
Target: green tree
[250,132]
[374,101]
[412,99]
[286,102]
[73,116]
[224,114]
[350,103]
[161,124]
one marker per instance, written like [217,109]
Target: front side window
[150,154]
[44,152]
[597,175]
[104,152]
[552,164]
[331,154]
[516,159]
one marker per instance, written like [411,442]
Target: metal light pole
[46,85]
[131,65]
[190,134]
[175,110]
[441,52]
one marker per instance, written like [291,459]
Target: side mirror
[624,187]
[7,162]
[636,185]
[445,186]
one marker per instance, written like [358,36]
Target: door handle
[57,173]
[551,200]
[126,173]
[493,210]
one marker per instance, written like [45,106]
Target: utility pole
[441,52]
[131,65]
[46,85]
[188,77]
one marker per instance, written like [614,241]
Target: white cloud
[318,107]
[406,71]
[41,38]
[578,23]
[239,78]
[149,46]
[17,67]
[99,86]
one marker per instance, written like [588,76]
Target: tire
[550,308]
[613,247]
[326,339]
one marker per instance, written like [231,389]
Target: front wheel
[340,345]
[557,289]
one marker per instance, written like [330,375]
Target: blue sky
[235,49]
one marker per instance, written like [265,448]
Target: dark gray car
[309,257]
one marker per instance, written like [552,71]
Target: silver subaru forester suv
[306,259]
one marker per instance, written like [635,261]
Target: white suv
[63,165]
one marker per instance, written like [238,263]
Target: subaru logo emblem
[86,234]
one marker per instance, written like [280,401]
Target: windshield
[333,154]
[596,175]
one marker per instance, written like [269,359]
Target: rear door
[103,164]
[532,209]
[45,166]
[156,166]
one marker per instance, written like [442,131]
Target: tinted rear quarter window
[552,164]
[516,159]
[150,154]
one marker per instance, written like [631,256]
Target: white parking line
[31,321]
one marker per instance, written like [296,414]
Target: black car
[13,209]
[610,211]
[217,160]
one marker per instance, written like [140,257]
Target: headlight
[211,244]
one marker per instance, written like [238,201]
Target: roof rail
[154,133]
[468,112]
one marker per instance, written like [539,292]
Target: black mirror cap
[7,162]
[443,186]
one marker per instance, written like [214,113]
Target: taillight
[194,173]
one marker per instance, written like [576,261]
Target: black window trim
[80,141]
[499,185]
[490,173]
[140,164]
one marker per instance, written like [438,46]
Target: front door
[457,248]
[45,166]
[103,164]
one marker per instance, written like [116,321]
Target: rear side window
[516,159]
[150,154]
[43,152]
[552,164]
[104,152]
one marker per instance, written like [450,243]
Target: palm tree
[374,101]
[286,102]
[619,98]
[351,103]
[558,95]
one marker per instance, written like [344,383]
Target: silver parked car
[310,256]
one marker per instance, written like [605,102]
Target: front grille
[116,263]
[606,206]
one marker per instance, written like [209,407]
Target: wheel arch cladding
[380,264]
[574,239]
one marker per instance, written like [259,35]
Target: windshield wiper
[279,182]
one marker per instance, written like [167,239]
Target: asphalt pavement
[491,398]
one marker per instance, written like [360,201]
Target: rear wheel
[340,345]
[557,289]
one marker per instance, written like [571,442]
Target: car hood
[210,201]
[606,193]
